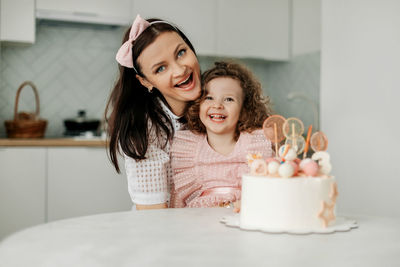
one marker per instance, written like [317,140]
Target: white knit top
[149,179]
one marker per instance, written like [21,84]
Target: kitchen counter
[58,142]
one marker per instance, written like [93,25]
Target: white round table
[195,237]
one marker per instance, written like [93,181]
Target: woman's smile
[187,83]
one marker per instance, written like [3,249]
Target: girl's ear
[145,82]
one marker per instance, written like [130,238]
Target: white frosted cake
[286,193]
[274,203]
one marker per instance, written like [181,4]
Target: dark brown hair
[255,107]
[131,108]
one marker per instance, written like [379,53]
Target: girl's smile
[217,117]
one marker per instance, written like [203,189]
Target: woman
[159,75]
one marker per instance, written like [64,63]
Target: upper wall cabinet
[254,28]
[17,21]
[233,28]
[197,19]
[116,12]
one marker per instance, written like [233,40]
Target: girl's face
[220,109]
[169,65]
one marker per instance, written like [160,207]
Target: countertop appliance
[82,126]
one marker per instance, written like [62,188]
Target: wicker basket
[26,125]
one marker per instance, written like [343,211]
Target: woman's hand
[151,207]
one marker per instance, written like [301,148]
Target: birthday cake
[288,193]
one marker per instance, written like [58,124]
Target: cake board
[342,224]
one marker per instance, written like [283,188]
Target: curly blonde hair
[255,108]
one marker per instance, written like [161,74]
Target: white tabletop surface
[195,237]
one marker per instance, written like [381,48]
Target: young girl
[159,74]
[208,160]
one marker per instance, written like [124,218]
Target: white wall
[360,94]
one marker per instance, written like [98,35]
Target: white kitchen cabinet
[116,12]
[82,181]
[232,28]
[197,19]
[17,21]
[254,28]
[22,188]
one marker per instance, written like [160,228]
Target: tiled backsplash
[73,68]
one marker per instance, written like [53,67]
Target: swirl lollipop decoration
[287,164]
[293,129]
[272,127]
[319,141]
[297,143]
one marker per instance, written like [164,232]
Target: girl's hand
[236,206]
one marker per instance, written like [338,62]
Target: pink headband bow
[124,54]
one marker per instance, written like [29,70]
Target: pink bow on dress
[124,54]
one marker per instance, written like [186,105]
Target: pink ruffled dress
[204,178]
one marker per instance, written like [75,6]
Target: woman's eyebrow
[175,52]
[157,64]
[177,48]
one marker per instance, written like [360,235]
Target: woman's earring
[150,89]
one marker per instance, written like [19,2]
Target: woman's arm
[151,207]
[148,179]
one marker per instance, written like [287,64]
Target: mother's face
[169,65]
